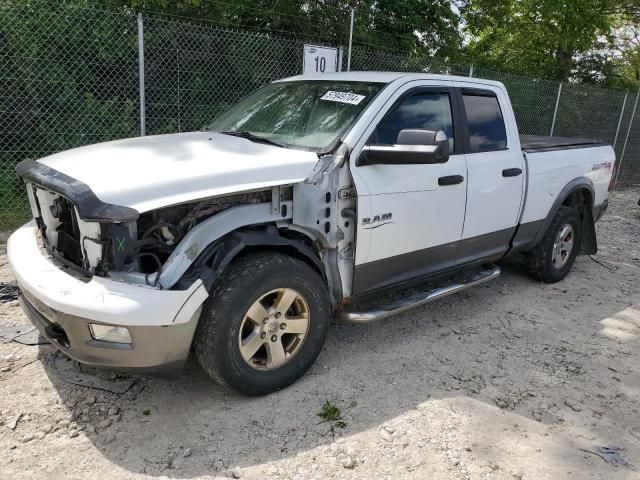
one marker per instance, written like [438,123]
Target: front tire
[551,260]
[264,324]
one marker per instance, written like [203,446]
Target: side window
[429,111]
[486,125]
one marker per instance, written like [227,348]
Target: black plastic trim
[571,187]
[564,147]
[487,246]
[423,264]
[399,269]
[525,236]
[589,244]
[478,92]
[540,144]
[461,119]
[599,210]
[90,207]
[529,234]
[219,254]
[450,180]
[511,172]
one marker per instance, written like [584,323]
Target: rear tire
[264,324]
[551,260]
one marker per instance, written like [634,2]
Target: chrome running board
[419,298]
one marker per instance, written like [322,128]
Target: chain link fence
[70,76]
[193,71]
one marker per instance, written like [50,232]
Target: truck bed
[555,164]
[539,143]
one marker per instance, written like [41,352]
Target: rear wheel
[264,324]
[552,259]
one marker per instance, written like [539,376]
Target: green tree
[408,26]
[536,37]
[627,42]
[413,26]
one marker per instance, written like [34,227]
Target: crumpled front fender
[203,234]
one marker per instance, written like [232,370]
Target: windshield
[306,114]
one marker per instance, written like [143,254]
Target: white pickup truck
[310,198]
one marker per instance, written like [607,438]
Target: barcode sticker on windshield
[343,97]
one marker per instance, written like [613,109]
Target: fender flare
[573,186]
[217,256]
[202,235]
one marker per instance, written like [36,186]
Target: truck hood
[146,173]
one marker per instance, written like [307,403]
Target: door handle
[450,180]
[511,172]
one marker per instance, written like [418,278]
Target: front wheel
[264,324]
[552,259]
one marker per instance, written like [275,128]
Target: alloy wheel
[563,246]
[274,329]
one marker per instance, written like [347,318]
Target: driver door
[410,217]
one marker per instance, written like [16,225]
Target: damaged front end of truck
[174,246]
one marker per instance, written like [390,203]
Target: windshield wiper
[253,137]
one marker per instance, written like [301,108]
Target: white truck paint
[487,210]
[365,226]
[549,172]
[152,172]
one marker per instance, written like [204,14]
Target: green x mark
[120,244]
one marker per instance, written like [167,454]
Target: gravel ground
[511,380]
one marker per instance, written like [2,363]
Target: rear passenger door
[496,173]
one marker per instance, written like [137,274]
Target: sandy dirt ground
[512,380]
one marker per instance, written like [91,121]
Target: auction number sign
[320,59]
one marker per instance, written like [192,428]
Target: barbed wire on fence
[69,76]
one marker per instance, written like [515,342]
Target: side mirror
[414,147]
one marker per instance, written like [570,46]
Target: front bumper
[61,306]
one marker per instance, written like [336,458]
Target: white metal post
[141,75]
[626,140]
[350,42]
[624,104]
[471,71]
[555,112]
